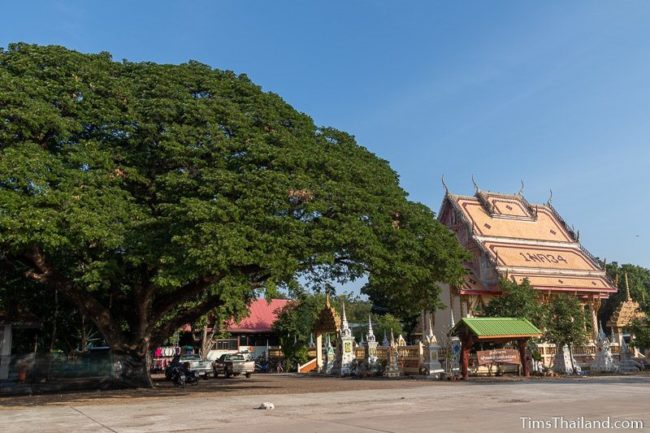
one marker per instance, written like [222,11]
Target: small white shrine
[627,364]
[431,365]
[344,348]
[392,363]
[371,350]
[604,362]
[564,363]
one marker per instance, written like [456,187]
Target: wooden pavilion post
[467,343]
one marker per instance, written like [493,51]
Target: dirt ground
[258,384]
[315,404]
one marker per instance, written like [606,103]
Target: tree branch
[45,273]
[160,333]
[164,303]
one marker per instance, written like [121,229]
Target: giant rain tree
[149,195]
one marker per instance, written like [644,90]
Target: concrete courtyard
[337,405]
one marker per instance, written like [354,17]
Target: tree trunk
[208,340]
[573,367]
[131,367]
[56,317]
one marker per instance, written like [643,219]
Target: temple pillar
[593,309]
[319,351]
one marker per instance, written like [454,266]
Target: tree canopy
[517,300]
[566,323]
[148,195]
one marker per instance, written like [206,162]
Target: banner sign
[502,356]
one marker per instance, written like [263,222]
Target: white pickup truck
[234,365]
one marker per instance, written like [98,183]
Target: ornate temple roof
[522,240]
[626,312]
[328,319]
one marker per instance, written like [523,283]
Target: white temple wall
[442,317]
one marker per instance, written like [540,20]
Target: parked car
[201,367]
[233,365]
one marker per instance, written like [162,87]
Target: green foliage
[295,323]
[358,311]
[148,195]
[517,300]
[639,281]
[566,321]
[399,281]
[384,324]
[61,325]
[641,330]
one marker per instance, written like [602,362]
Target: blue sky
[555,93]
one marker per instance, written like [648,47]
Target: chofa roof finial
[521,190]
[476,188]
[550,197]
[445,185]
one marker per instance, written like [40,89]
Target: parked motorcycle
[182,375]
[262,365]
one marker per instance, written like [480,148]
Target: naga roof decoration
[512,238]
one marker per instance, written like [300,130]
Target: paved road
[476,406]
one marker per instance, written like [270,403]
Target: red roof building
[256,329]
[261,316]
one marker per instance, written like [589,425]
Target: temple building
[254,333]
[510,238]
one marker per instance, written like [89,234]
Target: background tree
[358,310]
[517,300]
[566,323]
[148,195]
[295,323]
[384,324]
[640,329]
[639,281]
